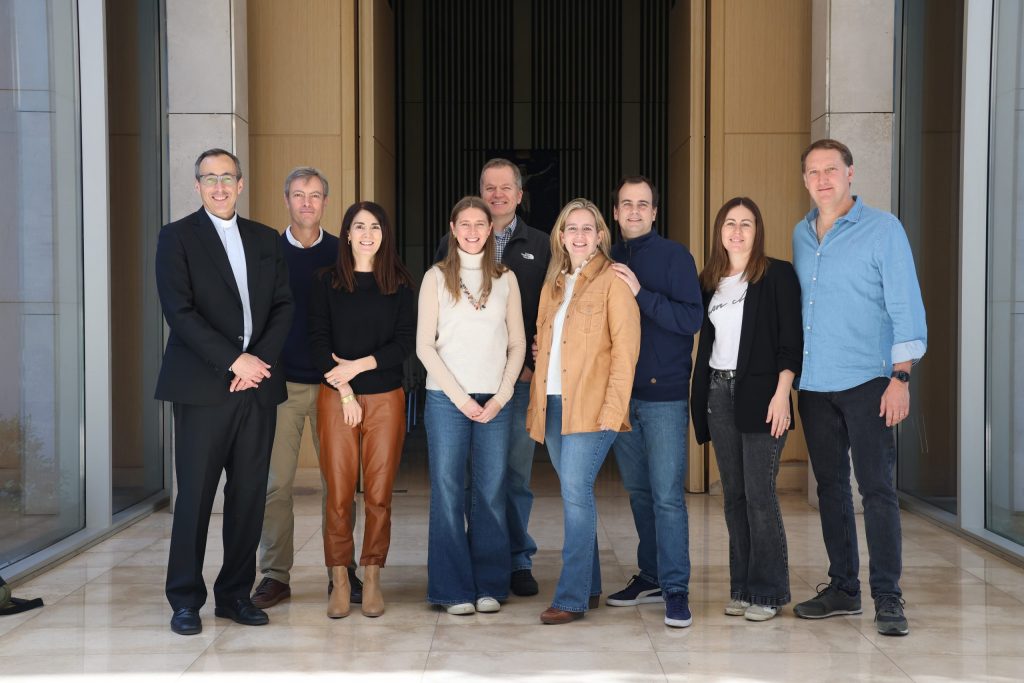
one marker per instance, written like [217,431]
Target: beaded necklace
[477,305]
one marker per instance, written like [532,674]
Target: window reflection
[41,486]
[1005,400]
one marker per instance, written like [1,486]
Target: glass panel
[929,206]
[134,113]
[41,483]
[1004,498]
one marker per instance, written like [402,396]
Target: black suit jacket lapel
[252,255]
[207,235]
[750,304]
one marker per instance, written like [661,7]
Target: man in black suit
[223,286]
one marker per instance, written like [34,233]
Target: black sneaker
[637,592]
[523,583]
[889,617]
[356,594]
[829,602]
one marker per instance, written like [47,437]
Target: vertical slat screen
[576,74]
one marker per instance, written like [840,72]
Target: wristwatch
[901,376]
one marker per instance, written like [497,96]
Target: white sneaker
[760,612]
[737,608]
[487,604]
[460,609]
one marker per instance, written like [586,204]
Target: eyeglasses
[580,229]
[211,179]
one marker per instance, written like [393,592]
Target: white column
[207,91]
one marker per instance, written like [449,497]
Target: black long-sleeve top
[362,323]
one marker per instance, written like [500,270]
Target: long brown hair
[388,269]
[718,265]
[450,265]
[559,256]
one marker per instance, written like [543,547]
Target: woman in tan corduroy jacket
[588,340]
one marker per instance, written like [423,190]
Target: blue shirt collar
[852,216]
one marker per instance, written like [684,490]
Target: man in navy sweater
[652,457]
[307,248]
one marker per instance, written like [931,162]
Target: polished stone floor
[106,613]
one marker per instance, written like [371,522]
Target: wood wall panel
[302,102]
[273,156]
[766,168]
[767,64]
[758,90]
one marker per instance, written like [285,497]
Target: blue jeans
[466,564]
[652,462]
[519,499]
[577,459]
[749,464]
[840,426]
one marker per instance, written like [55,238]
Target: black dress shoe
[523,583]
[186,621]
[242,611]
[356,594]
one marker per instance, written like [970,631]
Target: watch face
[901,376]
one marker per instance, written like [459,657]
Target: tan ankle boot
[373,600]
[338,604]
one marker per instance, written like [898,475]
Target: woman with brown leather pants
[362,327]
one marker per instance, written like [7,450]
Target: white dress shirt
[295,243]
[227,231]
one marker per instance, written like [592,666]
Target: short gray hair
[218,152]
[501,163]
[304,172]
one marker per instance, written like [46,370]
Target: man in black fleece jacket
[526,252]
[652,457]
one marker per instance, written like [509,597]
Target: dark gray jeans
[749,464]
[841,426]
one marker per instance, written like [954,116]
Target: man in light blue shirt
[864,328]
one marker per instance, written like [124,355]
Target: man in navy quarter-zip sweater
[307,248]
[652,457]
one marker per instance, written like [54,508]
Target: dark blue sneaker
[637,592]
[677,610]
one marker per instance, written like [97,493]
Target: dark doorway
[574,91]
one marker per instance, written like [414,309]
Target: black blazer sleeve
[272,314]
[773,337]
[174,284]
[789,352]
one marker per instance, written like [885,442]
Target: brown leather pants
[381,434]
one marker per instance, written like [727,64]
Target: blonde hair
[450,265]
[559,256]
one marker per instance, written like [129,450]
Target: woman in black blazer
[749,353]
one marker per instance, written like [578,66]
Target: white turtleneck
[465,350]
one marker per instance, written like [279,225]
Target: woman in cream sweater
[588,341]
[470,338]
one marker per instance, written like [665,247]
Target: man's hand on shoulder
[250,369]
[627,276]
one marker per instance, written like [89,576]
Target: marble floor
[106,618]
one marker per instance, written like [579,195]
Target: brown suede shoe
[270,592]
[553,615]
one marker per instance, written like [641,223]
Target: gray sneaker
[889,617]
[829,602]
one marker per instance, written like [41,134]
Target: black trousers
[236,437]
